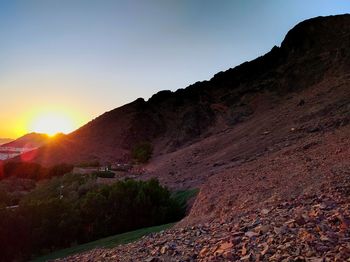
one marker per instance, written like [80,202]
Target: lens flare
[51,123]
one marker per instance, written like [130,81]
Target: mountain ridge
[172,120]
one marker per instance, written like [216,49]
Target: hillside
[267,143]
[5,140]
[32,140]
[310,54]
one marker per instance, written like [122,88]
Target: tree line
[72,210]
[32,170]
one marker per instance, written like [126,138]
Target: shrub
[94,163]
[32,170]
[142,152]
[104,174]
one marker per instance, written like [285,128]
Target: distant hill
[5,140]
[32,140]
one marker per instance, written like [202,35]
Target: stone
[223,248]
[251,234]
[265,248]
[246,258]
[203,252]
[164,249]
[265,211]
[153,259]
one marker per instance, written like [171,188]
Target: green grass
[183,196]
[107,242]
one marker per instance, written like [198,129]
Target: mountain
[31,140]
[267,143]
[5,140]
[310,54]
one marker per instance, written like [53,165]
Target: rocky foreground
[307,228]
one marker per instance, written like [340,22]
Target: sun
[52,123]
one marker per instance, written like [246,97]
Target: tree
[142,152]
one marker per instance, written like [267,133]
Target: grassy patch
[183,196]
[107,242]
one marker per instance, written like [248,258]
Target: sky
[81,58]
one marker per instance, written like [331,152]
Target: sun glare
[51,123]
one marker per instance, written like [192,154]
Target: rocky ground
[307,228]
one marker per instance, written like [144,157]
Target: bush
[104,174]
[94,163]
[32,170]
[127,205]
[12,189]
[142,152]
[58,213]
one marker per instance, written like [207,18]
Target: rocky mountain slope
[267,143]
[311,53]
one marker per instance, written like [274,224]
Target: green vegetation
[108,242]
[183,196]
[32,170]
[12,189]
[104,174]
[142,152]
[71,187]
[73,209]
[94,163]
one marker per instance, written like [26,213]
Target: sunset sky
[72,60]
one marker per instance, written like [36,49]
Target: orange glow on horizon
[49,120]
[51,123]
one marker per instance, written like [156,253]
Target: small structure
[124,167]
[104,168]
